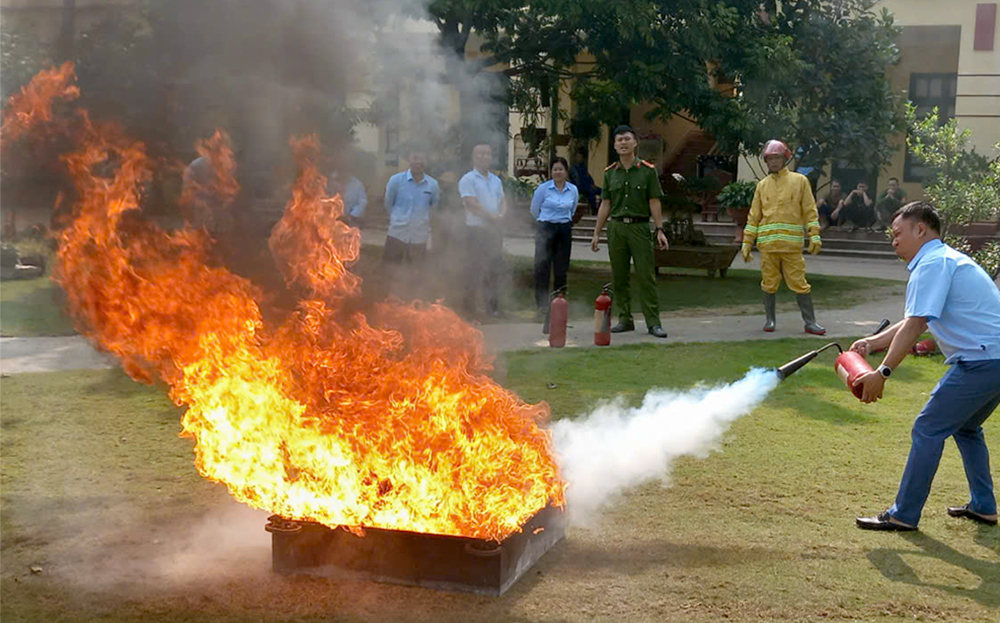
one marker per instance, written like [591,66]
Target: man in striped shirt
[782,208]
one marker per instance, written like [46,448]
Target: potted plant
[735,198]
[688,247]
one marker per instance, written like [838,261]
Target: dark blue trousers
[964,398]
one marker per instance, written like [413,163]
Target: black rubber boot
[808,315]
[770,300]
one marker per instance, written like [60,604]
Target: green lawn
[691,291]
[100,493]
[30,308]
[681,291]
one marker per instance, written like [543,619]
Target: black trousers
[553,244]
[396,251]
[483,262]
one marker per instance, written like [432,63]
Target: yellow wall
[978,71]
[928,45]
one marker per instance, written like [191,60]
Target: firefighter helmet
[775,147]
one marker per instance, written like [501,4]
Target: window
[928,91]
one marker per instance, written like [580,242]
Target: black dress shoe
[657,331]
[964,511]
[882,521]
[622,327]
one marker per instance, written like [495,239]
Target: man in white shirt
[485,206]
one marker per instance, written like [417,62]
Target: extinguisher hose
[793,366]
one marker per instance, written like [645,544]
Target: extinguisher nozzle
[793,366]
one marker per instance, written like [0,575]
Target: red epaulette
[611,166]
[648,164]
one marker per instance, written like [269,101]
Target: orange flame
[32,106]
[309,243]
[208,193]
[325,417]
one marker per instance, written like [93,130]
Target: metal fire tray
[430,560]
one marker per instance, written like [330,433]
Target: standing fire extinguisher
[602,317]
[558,314]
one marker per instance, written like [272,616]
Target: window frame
[942,102]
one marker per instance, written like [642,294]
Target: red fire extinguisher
[558,313]
[602,317]
[849,366]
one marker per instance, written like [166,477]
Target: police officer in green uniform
[631,195]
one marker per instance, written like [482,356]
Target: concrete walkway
[49,354]
[839,324]
[44,354]
[41,354]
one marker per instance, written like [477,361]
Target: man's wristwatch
[660,228]
[884,370]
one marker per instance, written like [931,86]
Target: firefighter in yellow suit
[783,207]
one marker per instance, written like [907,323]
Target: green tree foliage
[21,57]
[964,185]
[812,72]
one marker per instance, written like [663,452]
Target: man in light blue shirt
[955,299]
[355,201]
[409,198]
[485,207]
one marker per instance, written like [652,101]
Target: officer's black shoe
[657,331]
[622,327]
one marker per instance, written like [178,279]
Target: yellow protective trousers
[790,264]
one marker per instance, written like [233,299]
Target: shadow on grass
[810,399]
[114,383]
[892,566]
[582,556]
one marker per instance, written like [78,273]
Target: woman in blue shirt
[553,207]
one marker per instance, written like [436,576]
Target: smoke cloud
[617,447]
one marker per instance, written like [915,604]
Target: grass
[101,494]
[29,308]
[681,291]
[691,292]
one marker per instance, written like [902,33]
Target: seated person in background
[582,179]
[829,204]
[857,209]
[889,200]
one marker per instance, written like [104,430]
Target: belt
[630,219]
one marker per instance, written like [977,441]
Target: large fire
[327,417]
[32,106]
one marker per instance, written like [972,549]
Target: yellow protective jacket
[783,206]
